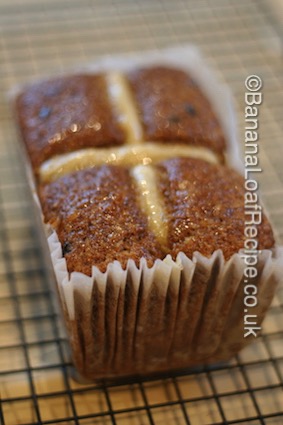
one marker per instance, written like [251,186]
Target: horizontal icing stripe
[150,201]
[124,105]
[127,155]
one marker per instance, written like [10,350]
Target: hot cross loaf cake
[130,167]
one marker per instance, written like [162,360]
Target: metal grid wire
[238,37]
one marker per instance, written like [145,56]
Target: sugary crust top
[205,208]
[142,209]
[97,217]
[173,108]
[65,114]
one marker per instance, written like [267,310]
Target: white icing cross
[137,154]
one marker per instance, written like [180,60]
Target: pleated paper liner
[174,315]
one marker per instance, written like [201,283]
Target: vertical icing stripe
[151,201]
[124,104]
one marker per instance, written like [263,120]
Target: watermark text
[253,210]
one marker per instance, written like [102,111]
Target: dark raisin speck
[190,109]
[67,247]
[174,119]
[44,112]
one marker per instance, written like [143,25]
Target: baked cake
[146,220]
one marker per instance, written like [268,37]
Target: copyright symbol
[253,83]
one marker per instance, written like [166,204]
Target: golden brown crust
[65,114]
[97,218]
[205,208]
[172,108]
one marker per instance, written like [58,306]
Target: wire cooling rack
[238,37]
